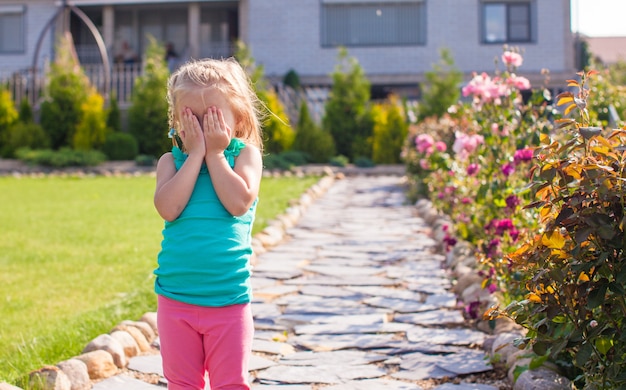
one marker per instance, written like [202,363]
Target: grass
[76,258]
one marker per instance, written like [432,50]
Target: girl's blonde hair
[228,77]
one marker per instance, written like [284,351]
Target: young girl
[206,190]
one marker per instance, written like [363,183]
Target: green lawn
[76,257]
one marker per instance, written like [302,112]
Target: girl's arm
[174,188]
[236,188]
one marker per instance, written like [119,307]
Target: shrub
[24,135]
[346,111]
[120,146]
[91,130]
[143,160]
[292,80]
[390,131]
[574,268]
[339,161]
[278,135]
[67,88]
[114,117]
[441,89]
[312,140]
[61,158]
[8,113]
[364,162]
[147,115]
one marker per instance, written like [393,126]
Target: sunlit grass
[76,257]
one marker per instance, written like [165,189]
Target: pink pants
[197,341]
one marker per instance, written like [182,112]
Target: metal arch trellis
[94,31]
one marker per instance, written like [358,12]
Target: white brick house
[395,41]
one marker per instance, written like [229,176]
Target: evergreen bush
[120,146]
[311,139]
[390,132]
[8,117]
[62,158]
[114,117]
[347,111]
[24,135]
[442,87]
[147,115]
[67,88]
[91,131]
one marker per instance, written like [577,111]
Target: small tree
[441,88]
[147,115]
[390,132]
[114,118]
[91,131]
[346,111]
[8,113]
[316,143]
[66,90]
[24,133]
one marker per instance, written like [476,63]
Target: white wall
[285,34]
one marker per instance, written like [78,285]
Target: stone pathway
[354,299]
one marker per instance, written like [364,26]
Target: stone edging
[468,287]
[109,353]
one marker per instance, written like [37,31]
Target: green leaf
[584,354]
[596,296]
[617,288]
[482,192]
[604,344]
[540,348]
[538,361]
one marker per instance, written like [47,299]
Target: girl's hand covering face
[217,133]
[191,132]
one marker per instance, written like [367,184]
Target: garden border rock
[106,355]
[468,287]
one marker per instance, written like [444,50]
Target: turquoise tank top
[205,253]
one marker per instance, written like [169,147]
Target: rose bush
[539,194]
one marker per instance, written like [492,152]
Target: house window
[373,23]
[12,29]
[507,22]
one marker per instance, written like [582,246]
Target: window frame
[20,12]
[326,41]
[530,23]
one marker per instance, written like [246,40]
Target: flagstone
[426,371]
[345,357]
[442,300]
[280,387]
[334,269]
[329,291]
[124,382]
[147,364]
[465,386]
[399,305]
[461,336]
[434,317]
[378,291]
[324,374]
[344,280]
[467,362]
[274,292]
[272,347]
[374,384]
[259,363]
[337,328]
[343,341]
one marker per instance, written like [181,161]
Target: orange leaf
[583,277]
[553,240]
[569,109]
[564,98]
[533,297]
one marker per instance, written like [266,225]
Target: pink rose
[512,58]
